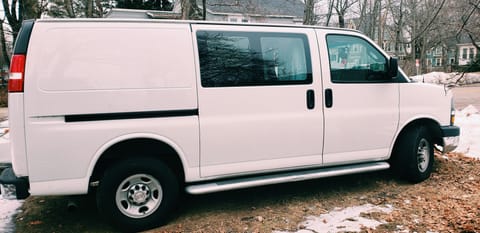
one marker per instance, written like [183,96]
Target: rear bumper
[20,184]
[451,138]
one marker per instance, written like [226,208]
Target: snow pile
[344,220]
[449,79]
[469,122]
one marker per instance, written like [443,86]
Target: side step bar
[285,177]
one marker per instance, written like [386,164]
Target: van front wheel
[137,194]
[413,155]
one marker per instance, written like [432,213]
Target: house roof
[293,8]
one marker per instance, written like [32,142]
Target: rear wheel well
[140,148]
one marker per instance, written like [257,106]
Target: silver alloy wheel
[138,196]
[423,155]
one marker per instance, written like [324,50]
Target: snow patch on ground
[343,220]
[468,120]
[8,208]
[450,79]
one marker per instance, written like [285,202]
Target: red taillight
[17,72]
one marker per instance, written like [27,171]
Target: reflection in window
[353,59]
[246,58]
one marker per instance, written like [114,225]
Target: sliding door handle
[310,99]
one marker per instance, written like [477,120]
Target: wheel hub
[139,194]
[423,155]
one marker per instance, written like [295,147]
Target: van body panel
[415,103]
[18,149]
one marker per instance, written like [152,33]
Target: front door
[259,100]
[362,101]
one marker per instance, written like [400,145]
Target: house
[467,52]
[442,56]
[247,11]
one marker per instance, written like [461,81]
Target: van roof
[187,22]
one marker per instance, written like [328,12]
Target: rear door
[259,99]
[362,101]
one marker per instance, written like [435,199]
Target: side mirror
[392,67]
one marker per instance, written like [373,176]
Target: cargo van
[141,111]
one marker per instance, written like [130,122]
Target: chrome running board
[224,185]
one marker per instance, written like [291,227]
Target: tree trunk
[399,30]
[190,10]
[69,8]
[204,9]
[363,16]
[98,3]
[330,11]
[89,8]
[341,20]
[309,12]
[4,45]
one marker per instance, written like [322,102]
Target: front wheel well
[432,126]
[140,148]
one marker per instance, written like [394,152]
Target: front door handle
[328,98]
[310,99]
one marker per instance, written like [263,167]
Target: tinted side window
[247,58]
[354,60]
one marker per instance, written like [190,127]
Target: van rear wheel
[137,194]
[413,155]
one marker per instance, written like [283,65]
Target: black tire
[137,194]
[413,157]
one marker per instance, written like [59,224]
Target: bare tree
[341,7]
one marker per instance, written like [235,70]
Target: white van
[140,111]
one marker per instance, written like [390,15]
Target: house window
[472,53]
[464,54]
[229,59]
[244,20]
[438,62]
[438,51]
